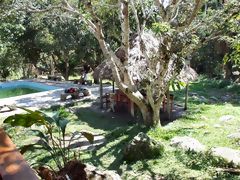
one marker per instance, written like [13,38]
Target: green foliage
[48,43]
[220,38]
[234,55]
[5,73]
[63,112]
[53,142]
[176,85]
[161,28]
[232,37]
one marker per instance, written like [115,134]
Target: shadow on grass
[147,169]
[116,141]
[103,121]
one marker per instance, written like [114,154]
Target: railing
[12,164]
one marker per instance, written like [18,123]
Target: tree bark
[151,116]
[156,117]
[145,115]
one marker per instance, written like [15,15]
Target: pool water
[5,93]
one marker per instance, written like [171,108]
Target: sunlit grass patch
[201,121]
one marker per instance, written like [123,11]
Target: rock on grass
[94,173]
[226,155]
[142,147]
[226,118]
[234,136]
[187,144]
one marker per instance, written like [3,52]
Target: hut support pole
[113,86]
[132,108]
[168,104]
[101,93]
[186,97]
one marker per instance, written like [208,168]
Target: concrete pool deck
[46,99]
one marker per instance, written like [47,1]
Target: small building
[103,71]
[138,65]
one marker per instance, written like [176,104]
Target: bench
[13,166]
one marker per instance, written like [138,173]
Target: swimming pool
[17,88]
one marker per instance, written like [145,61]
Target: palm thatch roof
[138,62]
[103,71]
[187,74]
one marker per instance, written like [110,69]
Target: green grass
[201,121]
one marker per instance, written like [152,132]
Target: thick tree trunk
[151,116]
[156,117]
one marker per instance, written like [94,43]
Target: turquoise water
[5,93]
[26,84]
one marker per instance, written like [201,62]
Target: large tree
[11,29]
[145,62]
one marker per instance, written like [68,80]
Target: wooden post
[168,104]
[13,166]
[186,97]
[113,86]
[101,93]
[132,108]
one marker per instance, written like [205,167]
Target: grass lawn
[209,100]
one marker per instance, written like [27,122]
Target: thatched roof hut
[187,74]
[103,71]
[139,62]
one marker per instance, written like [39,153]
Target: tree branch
[124,19]
[198,4]
[176,15]
[162,11]
[150,95]
[136,17]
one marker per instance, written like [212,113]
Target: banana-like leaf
[173,87]
[73,136]
[89,136]
[56,115]
[48,118]
[25,120]
[178,86]
[62,123]
[183,84]
[44,144]
[40,134]
[31,147]
[25,109]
